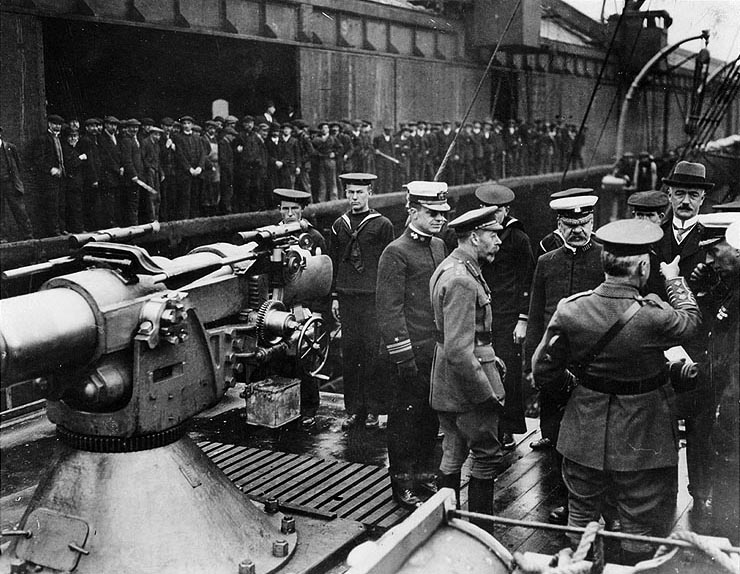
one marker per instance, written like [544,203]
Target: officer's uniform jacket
[402,294]
[559,274]
[464,372]
[608,430]
[549,242]
[375,233]
[510,275]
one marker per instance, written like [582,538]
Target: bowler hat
[689,174]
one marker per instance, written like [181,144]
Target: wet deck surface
[527,488]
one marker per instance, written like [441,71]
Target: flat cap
[292,195]
[286,125]
[730,206]
[230,131]
[54,119]
[575,206]
[231,119]
[147,122]
[481,218]
[197,129]
[572,192]
[248,118]
[167,121]
[690,175]
[133,122]
[494,194]
[156,130]
[211,124]
[92,122]
[218,119]
[430,194]
[652,200]
[186,119]
[300,124]
[322,123]
[263,125]
[628,236]
[358,178]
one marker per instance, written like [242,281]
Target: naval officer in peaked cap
[618,434]
[407,331]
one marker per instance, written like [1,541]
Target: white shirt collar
[685,224]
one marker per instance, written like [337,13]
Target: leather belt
[481,339]
[611,387]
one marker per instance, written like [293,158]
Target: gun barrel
[270,232]
[44,331]
[114,234]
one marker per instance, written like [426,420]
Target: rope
[446,158]
[707,546]
[566,561]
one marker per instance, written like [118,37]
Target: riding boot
[480,499]
[450,481]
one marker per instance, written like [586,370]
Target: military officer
[407,329]
[357,239]
[466,385]
[649,205]
[509,278]
[623,392]
[573,267]
[554,239]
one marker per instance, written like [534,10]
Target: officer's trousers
[412,423]
[474,432]
[645,499]
[512,416]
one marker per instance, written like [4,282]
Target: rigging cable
[475,95]
[593,94]
[725,93]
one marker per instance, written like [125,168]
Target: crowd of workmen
[105,172]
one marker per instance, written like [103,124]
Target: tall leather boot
[480,499]
[450,481]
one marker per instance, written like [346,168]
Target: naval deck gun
[132,347]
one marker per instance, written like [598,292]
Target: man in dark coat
[50,165]
[466,387]
[11,188]
[168,160]
[151,157]
[572,268]
[408,332]
[509,278]
[133,171]
[190,161]
[91,173]
[111,172]
[385,167]
[74,162]
[618,437]
[683,236]
[357,240]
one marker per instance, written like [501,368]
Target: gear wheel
[312,349]
[264,309]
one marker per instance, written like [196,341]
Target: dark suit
[151,158]
[189,153]
[49,156]
[695,407]
[90,181]
[133,167]
[110,179]
[12,190]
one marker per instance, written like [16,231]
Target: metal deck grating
[354,491]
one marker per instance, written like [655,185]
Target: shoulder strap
[607,337]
